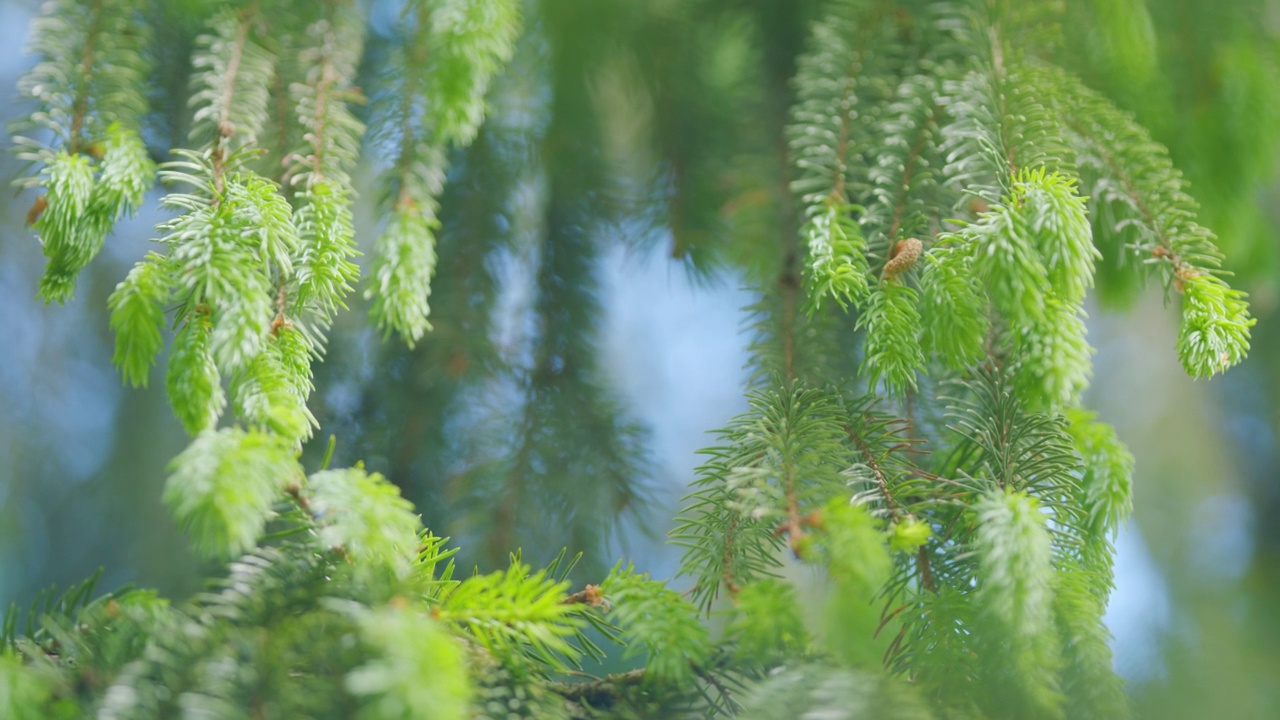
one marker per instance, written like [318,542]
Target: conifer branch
[230,85]
[90,86]
[983,578]
[331,138]
[823,143]
[909,169]
[881,483]
[1136,180]
[906,198]
[659,622]
[80,106]
[433,103]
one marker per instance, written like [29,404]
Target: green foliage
[1016,449]
[766,624]
[137,318]
[192,380]
[432,101]
[1033,254]
[330,148]
[1015,558]
[222,487]
[905,168]
[225,253]
[893,350]
[1005,257]
[1054,358]
[1145,209]
[816,691]
[327,239]
[366,518]
[837,257]
[26,691]
[83,199]
[230,83]
[658,622]
[776,465]
[1087,681]
[858,562]
[272,392]
[92,68]
[419,671]
[331,135]
[998,130]
[919,451]
[955,322]
[822,120]
[822,152]
[67,244]
[1215,326]
[404,263]
[468,41]
[516,613]
[1107,483]
[90,85]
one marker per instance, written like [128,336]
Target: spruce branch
[1107,481]
[272,392]
[137,317]
[780,463]
[235,238]
[955,323]
[331,138]
[904,167]
[659,622]
[819,690]
[892,352]
[1014,554]
[221,488]
[517,613]
[363,514]
[981,578]
[1034,255]
[418,669]
[881,441]
[823,142]
[1145,202]
[997,129]
[91,74]
[1091,687]
[766,624]
[331,134]
[192,380]
[1019,450]
[432,101]
[231,80]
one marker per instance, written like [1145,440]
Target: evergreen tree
[951,191]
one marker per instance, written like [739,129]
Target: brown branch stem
[226,130]
[80,108]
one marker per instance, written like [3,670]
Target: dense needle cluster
[915,430]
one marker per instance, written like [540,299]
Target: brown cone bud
[905,254]
[37,209]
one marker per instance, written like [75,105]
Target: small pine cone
[37,209]
[905,254]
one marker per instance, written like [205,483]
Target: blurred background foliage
[600,240]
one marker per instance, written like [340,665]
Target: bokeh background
[599,245]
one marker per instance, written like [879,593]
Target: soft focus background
[625,131]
